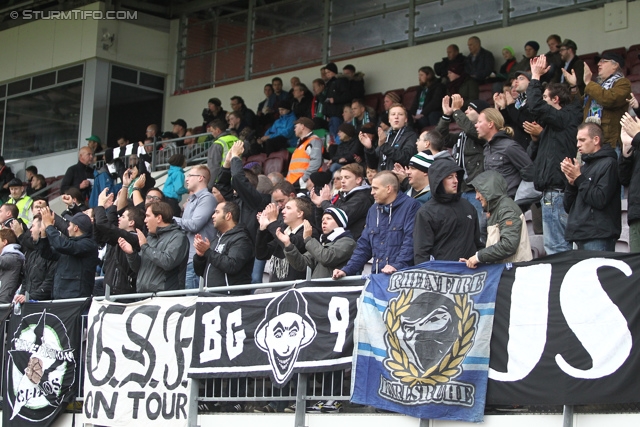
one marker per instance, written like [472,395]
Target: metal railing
[195,153]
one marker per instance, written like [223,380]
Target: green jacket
[505,221]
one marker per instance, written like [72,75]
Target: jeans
[258,270]
[470,196]
[334,124]
[192,280]
[634,236]
[335,166]
[554,222]
[604,245]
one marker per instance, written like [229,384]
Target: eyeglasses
[191,175]
[604,61]
[152,198]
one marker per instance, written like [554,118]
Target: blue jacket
[284,127]
[387,236]
[174,185]
[102,179]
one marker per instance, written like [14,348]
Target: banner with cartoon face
[136,363]
[41,370]
[566,331]
[306,329]
[422,339]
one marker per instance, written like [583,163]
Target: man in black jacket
[337,90]
[560,119]
[591,195]
[446,227]
[227,259]
[80,175]
[109,228]
[629,174]
[453,56]
[38,272]
[77,255]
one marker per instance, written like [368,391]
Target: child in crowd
[174,185]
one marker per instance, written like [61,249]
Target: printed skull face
[428,329]
[284,331]
[284,336]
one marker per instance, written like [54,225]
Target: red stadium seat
[590,60]
[273,164]
[373,100]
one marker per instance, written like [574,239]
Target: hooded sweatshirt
[446,226]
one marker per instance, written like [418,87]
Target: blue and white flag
[422,340]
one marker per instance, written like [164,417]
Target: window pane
[527,7]
[287,51]
[44,80]
[149,80]
[434,17]
[291,16]
[124,74]
[19,86]
[3,91]
[345,9]
[70,73]
[365,33]
[198,70]
[131,110]
[43,122]
[231,30]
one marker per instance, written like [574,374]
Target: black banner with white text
[306,329]
[567,331]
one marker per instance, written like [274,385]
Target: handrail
[154,151]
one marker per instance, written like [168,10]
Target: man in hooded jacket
[507,235]
[446,227]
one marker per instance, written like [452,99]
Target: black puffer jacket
[629,174]
[447,225]
[77,260]
[593,202]
[117,272]
[505,156]
[337,89]
[557,140]
[228,261]
[38,273]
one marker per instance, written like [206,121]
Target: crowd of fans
[394,189]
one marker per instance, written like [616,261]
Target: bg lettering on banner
[137,360]
[306,329]
[566,331]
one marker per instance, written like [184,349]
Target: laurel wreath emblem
[449,367]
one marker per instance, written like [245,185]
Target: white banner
[137,360]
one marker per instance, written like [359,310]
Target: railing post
[567,416]
[192,415]
[424,422]
[301,400]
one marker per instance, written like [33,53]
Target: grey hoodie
[11,268]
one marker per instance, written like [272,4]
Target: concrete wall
[45,44]
[399,68]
